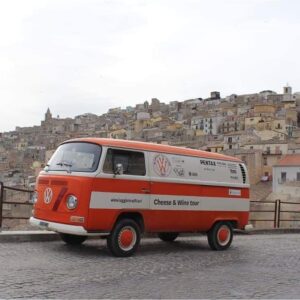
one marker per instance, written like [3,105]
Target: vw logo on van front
[48,195]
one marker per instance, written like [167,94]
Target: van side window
[133,162]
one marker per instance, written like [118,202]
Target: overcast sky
[79,56]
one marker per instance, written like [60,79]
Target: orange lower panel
[164,220]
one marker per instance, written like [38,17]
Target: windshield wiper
[64,164]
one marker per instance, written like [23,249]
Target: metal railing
[280,211]
[271,210]
[3,201]
[276,211]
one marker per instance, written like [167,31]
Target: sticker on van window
[161,165]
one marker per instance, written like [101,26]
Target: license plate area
[44,224]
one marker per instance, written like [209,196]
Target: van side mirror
[119,170]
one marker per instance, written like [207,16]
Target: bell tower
[48,115]
[287,89]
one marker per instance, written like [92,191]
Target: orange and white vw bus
[120,189]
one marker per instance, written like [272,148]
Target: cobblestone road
[256,266]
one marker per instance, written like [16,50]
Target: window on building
[244,159]
[230,146]
[230,139]
[265,161]
[283,176]
[133,162]
[298,176]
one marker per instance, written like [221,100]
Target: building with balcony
[272,152]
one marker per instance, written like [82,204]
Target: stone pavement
[28,236]
[256,266]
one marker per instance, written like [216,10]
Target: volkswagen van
[119,190]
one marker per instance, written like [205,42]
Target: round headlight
[34,197]
[72,202]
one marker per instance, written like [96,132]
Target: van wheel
[168,236]
[124,239]
[220,236]
[72,239]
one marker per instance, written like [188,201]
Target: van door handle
[146,191]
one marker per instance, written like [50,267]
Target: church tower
[48,115]
[287,93]
[287,90]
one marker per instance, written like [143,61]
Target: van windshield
[75,157]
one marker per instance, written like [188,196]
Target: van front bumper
[63,228]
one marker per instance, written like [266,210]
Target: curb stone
[269,231]
[28,236]
[47,236]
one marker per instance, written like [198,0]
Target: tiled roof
[289,160]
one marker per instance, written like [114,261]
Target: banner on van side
[103,200]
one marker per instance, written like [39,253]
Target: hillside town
[260,128]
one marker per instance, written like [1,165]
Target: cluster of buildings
[259,128]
